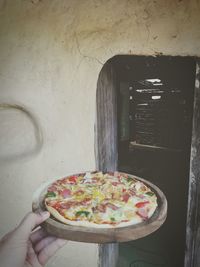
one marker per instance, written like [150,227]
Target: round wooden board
[98,235]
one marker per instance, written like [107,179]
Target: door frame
[106,154]
[106,143]
[192,252]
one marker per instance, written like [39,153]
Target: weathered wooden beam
[192,255]
[108,255]
[106,120]
[106,143]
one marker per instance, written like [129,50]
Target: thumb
[30,221]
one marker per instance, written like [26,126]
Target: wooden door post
[192,255]
[106,143]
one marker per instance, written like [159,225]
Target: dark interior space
[154,105]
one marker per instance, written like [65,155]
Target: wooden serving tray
[98,235]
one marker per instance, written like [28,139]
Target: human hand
[24,247]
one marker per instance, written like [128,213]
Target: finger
[46,253]
[29,222]
[38,235]
[44,243]
[31,257]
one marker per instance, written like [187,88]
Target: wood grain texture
[106,151]
[108,255]
[106,120]
[192,255]
[98,235]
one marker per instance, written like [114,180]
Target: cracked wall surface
[51,53]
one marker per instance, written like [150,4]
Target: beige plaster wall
[51,52]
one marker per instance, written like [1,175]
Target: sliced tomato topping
[141,204]
[126,197]
[66,193]
[56,206]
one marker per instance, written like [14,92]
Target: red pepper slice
[72,179]
[141,204]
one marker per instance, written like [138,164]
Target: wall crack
[83,55]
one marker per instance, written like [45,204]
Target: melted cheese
[108,189]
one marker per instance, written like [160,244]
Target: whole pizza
[101,200]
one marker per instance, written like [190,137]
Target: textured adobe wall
[51,52]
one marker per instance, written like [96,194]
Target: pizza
[100,200]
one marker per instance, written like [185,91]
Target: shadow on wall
[20,133]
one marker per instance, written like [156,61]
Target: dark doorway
[154,107]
